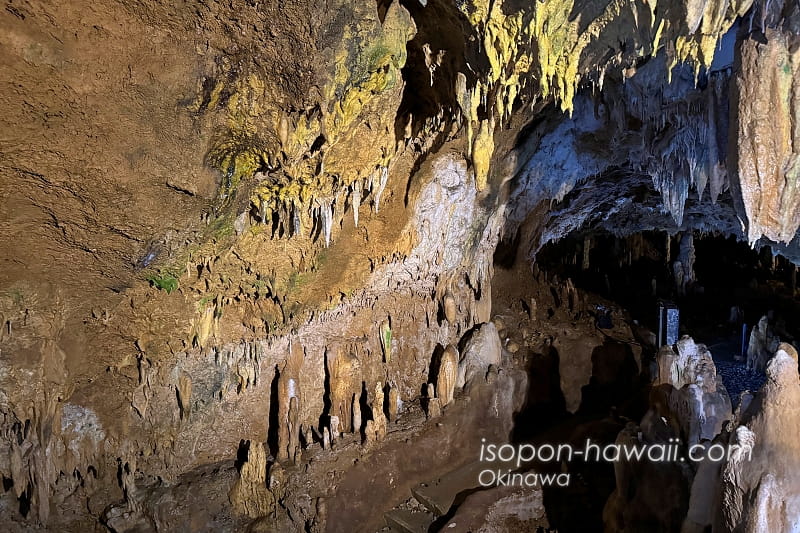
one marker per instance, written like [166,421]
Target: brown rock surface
[769,135]
[758,490]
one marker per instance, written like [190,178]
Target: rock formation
[376,427]
[758,491]
[356,422]
[344,378]
[688,405]
[482,349]
[684,264]
[768,136]
[289,400]
[433,405]
[761,346]
[184,393]
[697,397]
[394,402]
[449,307]
[446,378]
[249,494]
[385,331]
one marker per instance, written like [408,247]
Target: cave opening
[592,298]
[722,288]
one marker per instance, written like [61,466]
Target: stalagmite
[697,392]
[677,272]
[289,404]
[763,343]
[375,429]
[326,219]
[249,494]
[334,428]
[370,436]
[344,375]
[293,446]
[446,379]
[326,439]
[570,295]
[668,249]
[378,400]
[276,481]
[434,405]
[683,267]
[758,489]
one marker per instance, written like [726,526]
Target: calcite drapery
[768,136]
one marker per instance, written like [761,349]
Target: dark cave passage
[732,287]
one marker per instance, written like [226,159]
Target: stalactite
[587,249]
[184,394]
[383,178]
[325,208]
[296,221]
[264,212]
[385,331]
[668,249]
[449,307]
[355,199]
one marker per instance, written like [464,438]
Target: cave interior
[348,266]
